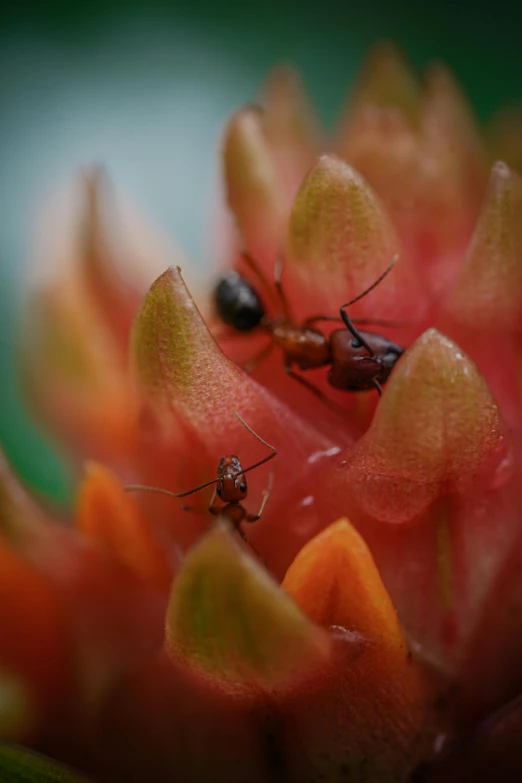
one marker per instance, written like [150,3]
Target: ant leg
[258,358]
[363,321]
[266,495]
[256,269]
[200,510]
[249,544]
[212,508]
[377,386]
[309,322]
[351,328]
[317,392]
[278,273]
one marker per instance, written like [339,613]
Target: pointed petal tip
[22,522]
[230,620]
[109,516]
[253,186]
[335,581]
[387,80]
[487,291]
[437,426]
[340,239]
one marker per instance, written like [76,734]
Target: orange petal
[380,691]
[73,375]
[34,649]
[334,581]
[22,523]
[102,257]
[108,515]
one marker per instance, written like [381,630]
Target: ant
[358,360]
[231,488]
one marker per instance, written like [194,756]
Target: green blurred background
[145,87]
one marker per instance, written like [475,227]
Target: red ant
[231,488]
[358,360]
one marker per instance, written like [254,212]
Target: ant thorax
[307,348]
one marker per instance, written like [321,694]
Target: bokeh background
[145,87]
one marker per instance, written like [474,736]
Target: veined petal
[72,374]
[435,457]
[255,190]
[291,126]
[227,617]
[340,240]
[422,154]
[487,292]
[386,80]
[437,425]
[483,308]
[101,259]
[192,390]
[448,115]
[21,521]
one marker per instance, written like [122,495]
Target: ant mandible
[231,488]
[358,360]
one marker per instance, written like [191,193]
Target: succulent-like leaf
[386,81]
[437,425]
[487,292]
[291,127]
[193,388]
[339,242]
[255,190]
[229,618]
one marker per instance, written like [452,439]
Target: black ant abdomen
[237,303]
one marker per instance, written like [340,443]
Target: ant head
[237,303]
[232,484]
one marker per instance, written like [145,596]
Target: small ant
[231,488]
[358,360]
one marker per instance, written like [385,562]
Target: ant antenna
[375,283]
[146,488]
[278,273]
[260,439]
[254,266]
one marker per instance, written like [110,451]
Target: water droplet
[318,455]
